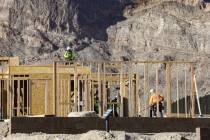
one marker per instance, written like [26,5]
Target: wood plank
[177,90]
[156,88]
[104,88]
[185,90]
[138,104]
[122,85]
[55,88]
[75,89]
[99,90]
[18,99]
[8,99]
[46,97]
[168,88]
[192,90]
[146,89]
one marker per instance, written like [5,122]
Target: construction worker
[155,98]
[69,54]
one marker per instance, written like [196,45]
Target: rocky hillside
[37,31]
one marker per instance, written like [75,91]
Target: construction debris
[83,114]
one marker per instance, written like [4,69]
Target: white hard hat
[68,48]
[152,91]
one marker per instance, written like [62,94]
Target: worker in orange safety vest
[154,100]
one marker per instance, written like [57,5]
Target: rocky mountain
[38,30]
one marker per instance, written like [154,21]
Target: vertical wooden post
[133,92]
[12,98]
[138,105]
[23,96]
[146,86]
[18,99]
[60,97]
[104,88]
[68,94]
[86,99]
[46,97]
[156,88]
[8,99]
[89,93]
[75,88]
[65,98]
[79,94]
[185,90]
[177,90]
[83,93]
[91,90]
[168,88]
[121,91]
[99,90]
[1,99]
[27,97]
[30,96]
[130,101]
[193,90]
[55,88]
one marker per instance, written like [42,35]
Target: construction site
[104,70]
[39,95]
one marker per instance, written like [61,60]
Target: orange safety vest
[155,98]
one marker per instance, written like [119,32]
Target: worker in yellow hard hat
[155,98]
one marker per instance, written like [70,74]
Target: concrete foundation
[64,125]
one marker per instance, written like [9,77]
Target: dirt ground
[102,135]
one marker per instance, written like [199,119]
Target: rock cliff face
[160,30]
[37,29]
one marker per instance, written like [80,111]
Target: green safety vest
[69,55]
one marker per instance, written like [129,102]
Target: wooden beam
[86,99]
[60,98]
[79,94]
[138,101]
[168,88]
[8,98]
[23,97]
[99,90]
[185,90]
[104,89]
[65,97]
[1,106]
[146,88]
[55,88]
[177,90]
[18,99]
[46,97]
[122,84]
[193,90]
[27,97]
[69,94]
[130,99]
[12,98]
[75,89]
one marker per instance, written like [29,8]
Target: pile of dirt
[4,129]
[83,114]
